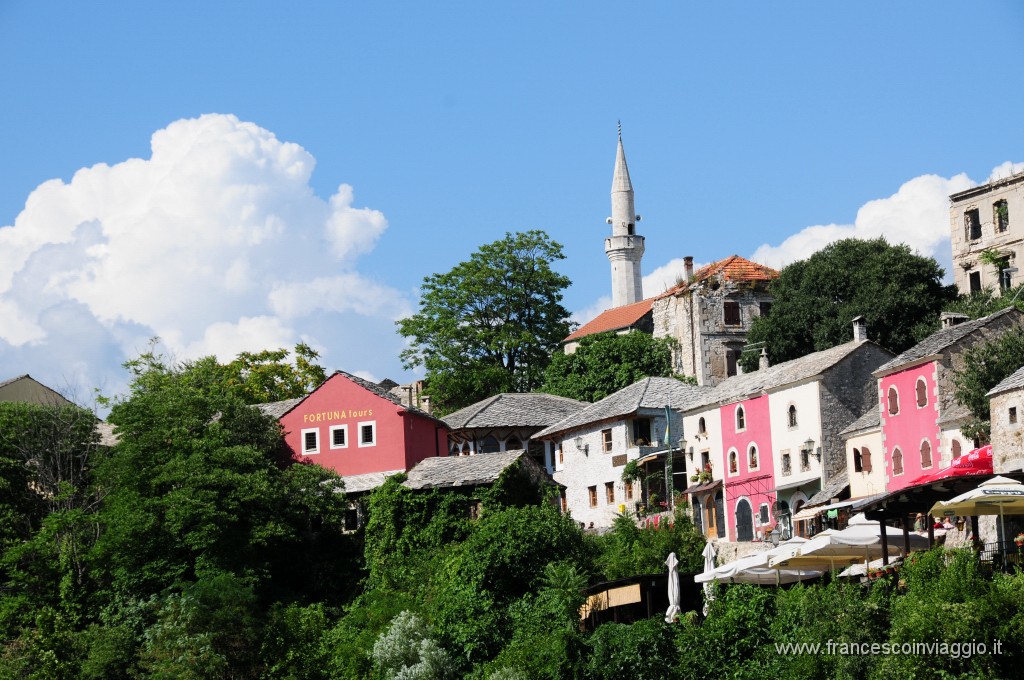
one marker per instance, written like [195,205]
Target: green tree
[629,550]
[490,324]
[606,363]
[262,377]
[898,292]
[984,366]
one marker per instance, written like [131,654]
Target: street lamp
[809,448]
[580,446]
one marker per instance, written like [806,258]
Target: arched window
[955,448]
[792,415]
[897,462]
[865,459]
[894,401]
[702,427]
[752,457]
[490,445]
[926,454]
[513,443]
[858,461]
[741,419]
[465,449]
[922,393]
[734,465]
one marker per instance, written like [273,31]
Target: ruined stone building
[710,313]
[989,217]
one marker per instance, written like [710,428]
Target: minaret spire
[625,248]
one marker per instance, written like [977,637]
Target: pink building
[920,417]
[748,465]
[356,427]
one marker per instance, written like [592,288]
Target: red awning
[977,462]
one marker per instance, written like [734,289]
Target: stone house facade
[710,313]
[592,447]
[990,216]
[1007,417]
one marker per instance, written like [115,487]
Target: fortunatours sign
[326,416]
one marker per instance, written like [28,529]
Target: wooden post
[885,542]
[906,538]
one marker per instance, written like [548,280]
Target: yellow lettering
[305,417]
[370,412]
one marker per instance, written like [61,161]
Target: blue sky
[763,129]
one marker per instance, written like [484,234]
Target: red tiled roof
[732,268]
[613,319]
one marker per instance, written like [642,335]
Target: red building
[920,416]
[354,427]
[749,467]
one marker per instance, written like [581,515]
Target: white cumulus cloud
[217,243]
[917,215]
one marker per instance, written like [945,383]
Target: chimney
[950,319]
[762,362]
[860,329]
[688,263]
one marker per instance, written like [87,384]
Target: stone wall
[952,357]
[695,317]
[847,390]
[1007,437]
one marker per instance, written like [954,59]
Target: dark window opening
[1013,415]
[975,279]
[972,224]
[1001,215]
[733,463]
[490,444]
[731,358]
[642,432]
[858,461]
[741,419]
[766,308]
[310,443]
[701,426]
[792,416]
[338,437]
[606,440]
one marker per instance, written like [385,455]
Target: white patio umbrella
[860,541]
[997,496]
[754,568]
[709,565]
[673,588]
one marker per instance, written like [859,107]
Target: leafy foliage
[984,366]
[629,550]
[489,325]
[898,293]
[984,302]
[404,652]
[606,363]
[262,377]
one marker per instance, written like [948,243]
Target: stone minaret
[624,248]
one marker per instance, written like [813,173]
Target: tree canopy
[985,366]
[490,324]
[606,363]
[899,293]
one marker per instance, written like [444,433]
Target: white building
[593,446]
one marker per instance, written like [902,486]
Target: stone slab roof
[452,471]
[276,409]
[733,268]
[871,419]
[1014,381]
[646,393]
[366,482]
[940,340]
[616,319]
[514,410]
[739,387]
[832,489]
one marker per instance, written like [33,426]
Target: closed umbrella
[673,588]
[997,496]
[709,566]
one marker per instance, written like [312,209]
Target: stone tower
[624,248]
